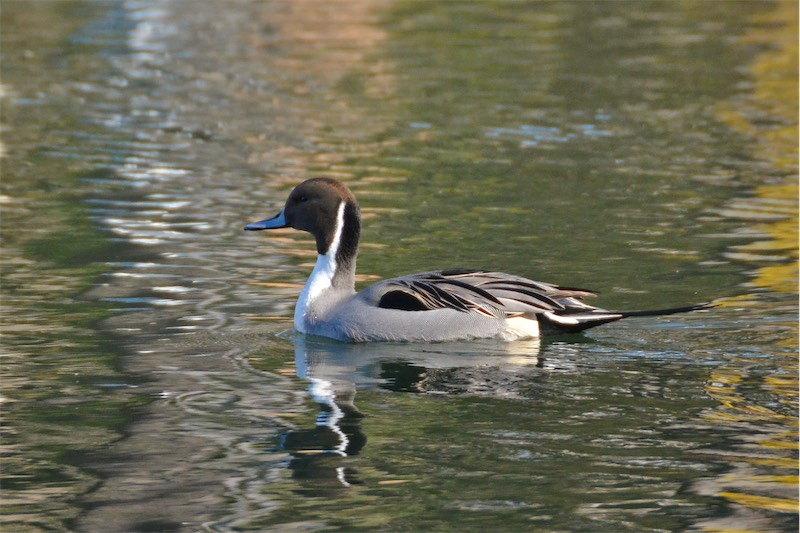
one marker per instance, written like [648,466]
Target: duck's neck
[334,275]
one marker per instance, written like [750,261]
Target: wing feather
[489,293]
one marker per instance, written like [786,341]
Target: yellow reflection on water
[769,117]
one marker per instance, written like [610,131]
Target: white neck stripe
[337,234]
[321,278]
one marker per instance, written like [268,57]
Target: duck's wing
[496,294]
[490,293]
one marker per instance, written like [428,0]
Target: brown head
[327,209]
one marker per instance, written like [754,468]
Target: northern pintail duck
[430,306]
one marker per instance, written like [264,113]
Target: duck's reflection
[322,456]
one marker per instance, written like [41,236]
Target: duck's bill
[278,221]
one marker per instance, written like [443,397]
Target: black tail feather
[558,324]
[669,311]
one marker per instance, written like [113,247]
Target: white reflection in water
[335,371]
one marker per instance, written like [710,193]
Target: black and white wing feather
[489,293]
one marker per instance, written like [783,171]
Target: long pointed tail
[555,324]
[669,311]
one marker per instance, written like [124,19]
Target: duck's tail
[575,322]
[668,311]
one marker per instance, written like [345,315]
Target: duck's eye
[302,199]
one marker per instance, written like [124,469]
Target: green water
[646,151]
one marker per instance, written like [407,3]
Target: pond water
[150,378]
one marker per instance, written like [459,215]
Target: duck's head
[324,207]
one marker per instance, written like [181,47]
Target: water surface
[150,381]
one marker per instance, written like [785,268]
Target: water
[150,381]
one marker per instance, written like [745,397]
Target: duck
[433,306]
